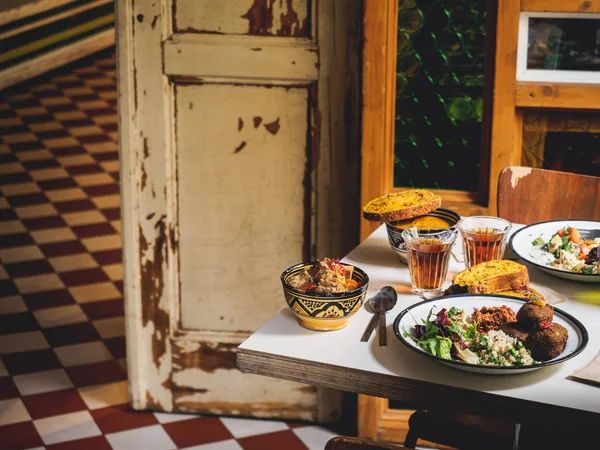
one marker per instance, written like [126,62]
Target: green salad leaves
[433,336]
[438,346]
[538,241]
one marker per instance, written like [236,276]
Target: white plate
[577,341]
[521,244]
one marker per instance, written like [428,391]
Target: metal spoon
[383,301]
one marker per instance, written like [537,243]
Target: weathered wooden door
[239,156]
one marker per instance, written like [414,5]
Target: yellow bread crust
[402,205]
[490,277]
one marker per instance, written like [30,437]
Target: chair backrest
[527,195]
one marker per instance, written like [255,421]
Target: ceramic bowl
[323,312]
[395,229]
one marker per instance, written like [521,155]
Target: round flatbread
[401,205]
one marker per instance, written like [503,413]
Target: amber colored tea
[428,262]
[483,244]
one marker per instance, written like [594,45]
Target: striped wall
[40,35]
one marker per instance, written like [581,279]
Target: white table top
[342,350]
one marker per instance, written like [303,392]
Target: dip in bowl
[440,218]
[317,294]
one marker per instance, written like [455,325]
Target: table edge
[423,393]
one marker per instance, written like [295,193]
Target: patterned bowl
[395,229]
[323,312]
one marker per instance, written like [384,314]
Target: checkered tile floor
[63,380]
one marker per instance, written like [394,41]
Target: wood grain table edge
[422,393]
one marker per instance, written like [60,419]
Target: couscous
[455,336]
[499,349]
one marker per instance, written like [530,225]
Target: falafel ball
[530,314]
[547,343]
[515,330]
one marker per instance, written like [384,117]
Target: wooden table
[337,359]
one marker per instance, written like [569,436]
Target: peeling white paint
[156,375]
[517,173]
[187,346]
[221,383]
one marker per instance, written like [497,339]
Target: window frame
[378,120]
[544,75]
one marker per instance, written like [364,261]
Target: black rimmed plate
[576,342]
[521,243]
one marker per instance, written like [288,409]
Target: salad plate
[423,312]
[534,244]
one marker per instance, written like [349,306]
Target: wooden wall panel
[504,132]
[558,95]
[591,6]
[41,35]
[335,128]
[11,10]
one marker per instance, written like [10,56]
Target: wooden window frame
[379,101]
[549,76]
[379,97]
[505,107]
[515,96]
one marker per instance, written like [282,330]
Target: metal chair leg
[516,436]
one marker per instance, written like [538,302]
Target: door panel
[227,148]
[258,17]
[230,392]
[241,201]
[243,58]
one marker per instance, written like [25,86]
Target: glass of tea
[427,254]
[484,238]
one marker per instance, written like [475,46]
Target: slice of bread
[489,277]
[402,205]
[523,292]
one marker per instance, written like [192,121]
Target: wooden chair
[352,443]
[462,431]
[527,195]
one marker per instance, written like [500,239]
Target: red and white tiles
[63,380]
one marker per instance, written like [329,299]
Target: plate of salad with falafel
[491,334]
[567,249]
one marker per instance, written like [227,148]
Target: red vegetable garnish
[442,317]
[337,267]
[544,325]
[308,287]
